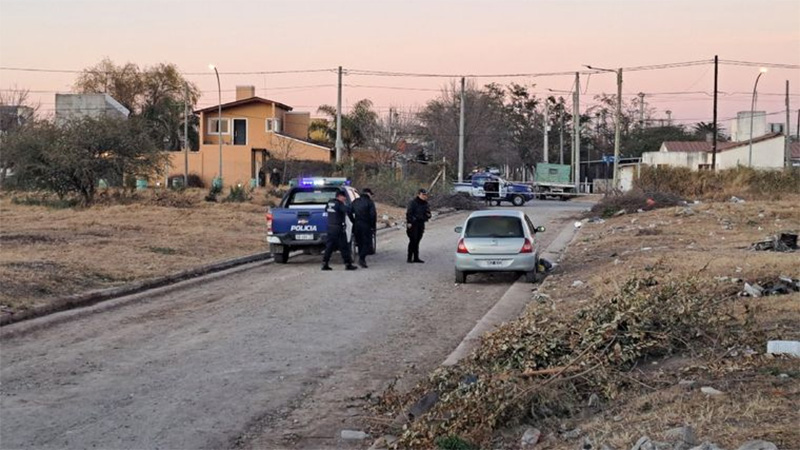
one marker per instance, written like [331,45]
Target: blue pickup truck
[300,221]
[500,191]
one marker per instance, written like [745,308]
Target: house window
[214,126]
[274,125]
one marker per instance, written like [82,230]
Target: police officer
[417,214]
[365,225]
[338,212]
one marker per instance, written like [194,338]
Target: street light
[618,121]
[761,71]
[219,121]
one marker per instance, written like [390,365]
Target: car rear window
[319,196]
[494,226]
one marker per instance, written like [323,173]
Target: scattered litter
[784,347]
[577,283]
[735,199]
[784,242]
[354,435]
[783,285]
[708,390]
[646,249]
[621,212]
[578,224]
[596,220]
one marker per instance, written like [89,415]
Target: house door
[239,132]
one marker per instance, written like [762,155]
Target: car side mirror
[540,229]
[459,229]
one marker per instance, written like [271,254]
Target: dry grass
[710,244]
[50,253]
[674,246]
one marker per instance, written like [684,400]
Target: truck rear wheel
[282,256]
[517,200]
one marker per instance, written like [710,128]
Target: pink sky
[453,37]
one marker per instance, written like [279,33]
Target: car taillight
[527,247]
[269,222]
[461,247]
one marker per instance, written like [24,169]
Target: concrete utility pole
[714,138]
[546,127]
[576,132]
[186,136]
[339,143]
[787,149]
[618,129]
[669,118]
[561,137]
[461,137]
[641,110]
[617,123]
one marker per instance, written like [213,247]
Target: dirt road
[269,357]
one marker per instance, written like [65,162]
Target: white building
[72,106]
[767,148]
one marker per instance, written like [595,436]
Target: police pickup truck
[500,190]
[300,221]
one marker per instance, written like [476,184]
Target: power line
[259,72]
[759,64]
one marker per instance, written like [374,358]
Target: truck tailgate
[306,221]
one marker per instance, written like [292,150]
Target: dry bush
[741,182]
[587,353]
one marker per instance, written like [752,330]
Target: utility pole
[714,138]
[617,129]
[787,145]
[641,110]
[669,118]
[546,123]
[186,136]
[576,132]
[461,137]
[339,143]
[561,136]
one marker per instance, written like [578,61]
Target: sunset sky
[443,37]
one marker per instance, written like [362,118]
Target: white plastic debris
[784,347]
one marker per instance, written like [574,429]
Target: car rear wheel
[461,277]
[517,200]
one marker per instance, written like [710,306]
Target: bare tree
[390,132]
[285,149]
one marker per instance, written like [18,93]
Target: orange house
[253,130]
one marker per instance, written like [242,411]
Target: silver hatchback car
[497,241]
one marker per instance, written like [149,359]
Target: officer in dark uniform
[365,225]
[417,214]
[338,212]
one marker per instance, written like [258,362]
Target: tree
[358,126]
[391,132]
[74,157]
[285,152]
[157,93]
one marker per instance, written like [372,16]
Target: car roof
[497,212]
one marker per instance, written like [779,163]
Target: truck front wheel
[517,200]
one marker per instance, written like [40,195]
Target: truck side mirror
[459,229]
[540,229]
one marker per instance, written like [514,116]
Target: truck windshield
[319,196]
[494,227]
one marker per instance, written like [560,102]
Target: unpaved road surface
[275,356]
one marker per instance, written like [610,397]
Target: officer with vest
[365,225]
[338,212]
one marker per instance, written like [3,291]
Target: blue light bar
[322,181]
